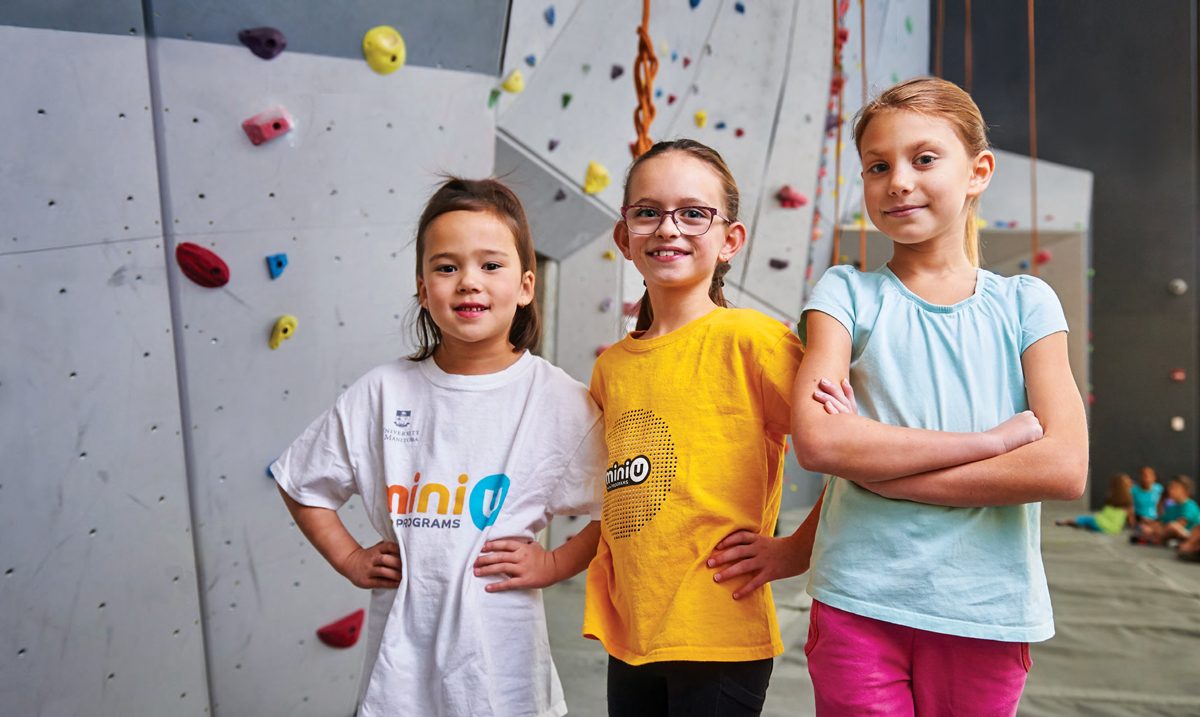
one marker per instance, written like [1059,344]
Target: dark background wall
[1116,94]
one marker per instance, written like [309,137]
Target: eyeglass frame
[670,213]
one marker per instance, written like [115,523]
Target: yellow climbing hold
[514,83]
[383,48]
[981,223]
[701,118]
[610,255]
[284,328]
[596,179]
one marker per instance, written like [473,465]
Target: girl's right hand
[375,567]
[1017,431]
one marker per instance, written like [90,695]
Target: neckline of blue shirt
[935,308]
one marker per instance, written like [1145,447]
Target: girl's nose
[468,283]
[900,183]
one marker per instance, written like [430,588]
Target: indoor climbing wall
[338,194]
[99,588]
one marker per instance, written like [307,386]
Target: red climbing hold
[265,42]
[344,632]
[266,126]
[670,99]
[687,61]
[201,265]
[1043,256]
[789,198]
[739,132]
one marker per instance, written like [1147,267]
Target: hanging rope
[862,64]
[1033,249]
[839,85]
[968,61]
[644,70]
[937,39]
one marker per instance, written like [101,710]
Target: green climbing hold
[492,98]
[566,99]
[908,25]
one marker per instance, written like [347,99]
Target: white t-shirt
[444,463]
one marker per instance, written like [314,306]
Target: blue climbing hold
[530,60]
[720,125]
[740,7]
[549,15]
[276,263]
[674,56]
[694,3]
[658,92]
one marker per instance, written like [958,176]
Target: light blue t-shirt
[973,572]
[1145,502]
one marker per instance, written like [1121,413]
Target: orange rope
[862,64]
[941,29]
[1033,264]
[967,60]
[644,70]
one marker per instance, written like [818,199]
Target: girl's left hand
[526,562]
[763,557]
[836,398]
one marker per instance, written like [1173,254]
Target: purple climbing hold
[616,72]
[560,195]
[778,263]
[553,143]
[265,42]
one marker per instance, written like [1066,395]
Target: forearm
[573,556]
[325,530]
[1049,469]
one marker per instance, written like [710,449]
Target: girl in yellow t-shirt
[697,410]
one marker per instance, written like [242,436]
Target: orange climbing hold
[344,632]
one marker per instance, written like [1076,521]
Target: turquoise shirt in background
[1188,510]
[973,572]
[1145,501]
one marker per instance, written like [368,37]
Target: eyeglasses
[691,221]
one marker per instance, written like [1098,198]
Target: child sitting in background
[1117,510]
[1180,514]
[1146,495]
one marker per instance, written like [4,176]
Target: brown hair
[456,194]
[713,159]
[1120,491]
[1188,484]
[936,98]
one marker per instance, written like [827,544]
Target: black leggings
[688,689]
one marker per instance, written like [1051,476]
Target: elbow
[1072,482]
[813,451]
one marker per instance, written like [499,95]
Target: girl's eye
[647,213]
[492,266]
[925,159]
[444,269]
[877,168]
[694,213]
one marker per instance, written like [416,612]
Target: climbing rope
[937,38]
[862,64]
[644,70]
[839,84]
[1033,250]
[968,61]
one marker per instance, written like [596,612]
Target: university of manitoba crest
[401,429]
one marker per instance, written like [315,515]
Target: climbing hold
[981,223]
[694,3]
[531,60]
[701,118]
[269,473]
[566,99]
[609,255]
[740,7]
[560,195]
[674,56]
[549,15]
[493,97]
[276,263]
[1177,423]
[596,178]
[601,349]
[1012,224]
[831,123]
[265,42]
[201,265]
[1178,287]
[1023,265]
[616,72]
[686,61]
[778,263]
[670,99]
[843,34]
[720,125]
[586,68]
[606,304]
[908,25]
[551,145]
[285,326]
[658,92]
[344,632]
[514,83]
[1043,256]
[739,132]
[383,48]
[266,126]
[1179,375]
[789,198]
[631,308]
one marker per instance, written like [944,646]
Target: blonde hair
[935,97]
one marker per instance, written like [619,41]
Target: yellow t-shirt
[696,424]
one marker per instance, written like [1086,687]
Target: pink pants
[863,667]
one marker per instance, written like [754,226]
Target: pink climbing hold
[789,198]
[343,633]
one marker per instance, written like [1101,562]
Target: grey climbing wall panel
[99,588]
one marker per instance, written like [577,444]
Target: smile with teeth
[470,309]
[667,252]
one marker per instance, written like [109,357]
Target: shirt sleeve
[778,375]
[833,295]
[316,470]
[580,489]
[1041,313]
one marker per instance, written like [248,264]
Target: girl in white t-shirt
[461,453]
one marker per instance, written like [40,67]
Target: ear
[621,239]
[422,293]
[735,239]
[527,294]
[982,169]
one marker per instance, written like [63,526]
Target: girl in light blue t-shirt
[926,574]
